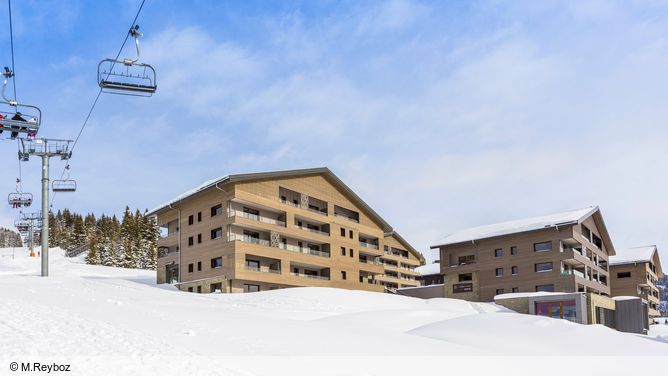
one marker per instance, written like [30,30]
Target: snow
[429,269]
[631,255]
[97,316]
[625,298]
[527,294]
[517,226]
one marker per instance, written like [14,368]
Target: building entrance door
[172,273]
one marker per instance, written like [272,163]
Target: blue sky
[441,115]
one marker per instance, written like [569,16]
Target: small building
[631,314]
[636,272]
[565,252]
[431,283]
[625,314]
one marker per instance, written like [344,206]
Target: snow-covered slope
[94,311]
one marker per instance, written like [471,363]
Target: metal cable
[97,97]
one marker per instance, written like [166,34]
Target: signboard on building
[462,287]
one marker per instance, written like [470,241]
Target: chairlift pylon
[127,76]
[16,118]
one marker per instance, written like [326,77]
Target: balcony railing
[346,217]
[313,230]
[256,269]
[250,239]
[302,275]
[287,247]
[286,202]
[167,252]
[171,235]
[372,262]
[255,217]
[397,254]
[306,250]
[368,245]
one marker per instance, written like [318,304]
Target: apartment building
[263,231]
[562,252]
[635,272]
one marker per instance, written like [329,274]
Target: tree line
[128,243]
[9,238]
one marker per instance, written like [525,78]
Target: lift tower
[45,148]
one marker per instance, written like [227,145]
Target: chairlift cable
[11,43]
[99,93]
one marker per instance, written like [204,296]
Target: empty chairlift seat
[126,77]
[64,185]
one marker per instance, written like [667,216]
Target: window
[190,289]
[343,232]
[199,238]
[466,277]
[351,233]
[545,288]
[516,289]
[199,216]
[468,259]
[343,251]
[542,247]
[199,266]
[216,210]
[191,241]
[217,233]
[199,289]
[586,233]
[498,252]
[253,265]
[499,291]
[499,272]
[513,270]
[190,220]
[543,267]
[216,287]
[190,268]
[251,288]
[343,275]
[352,253]
[216,262]
[624,275]
[513,250]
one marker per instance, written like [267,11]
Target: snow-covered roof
[529,294]
[625,298]
[429,269]
[518,226]
[633,255]
[190,192]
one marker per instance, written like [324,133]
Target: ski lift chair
[19,200]
[64,185]
[15,118]
[127,76]
[22,226]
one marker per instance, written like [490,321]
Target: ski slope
[94,316]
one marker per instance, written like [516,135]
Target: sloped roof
[324,171]
[637,255]
[567,218]
[518,226]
